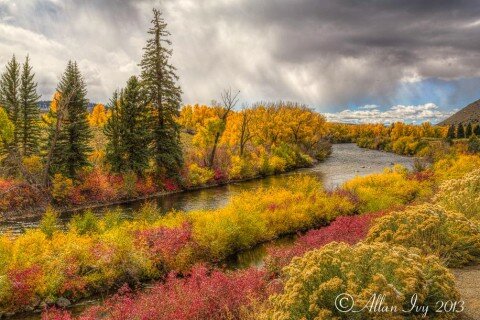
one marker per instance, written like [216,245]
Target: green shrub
[86,223]
[49,222]
[474,144]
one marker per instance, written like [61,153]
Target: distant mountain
[45,105]
[470,113]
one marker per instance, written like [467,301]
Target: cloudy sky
[356,61]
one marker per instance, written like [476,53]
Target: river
[346,162]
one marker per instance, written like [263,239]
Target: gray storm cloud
[323,53]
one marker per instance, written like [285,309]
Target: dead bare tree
[229,100]
[61,114]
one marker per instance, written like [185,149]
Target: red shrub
[170,185]
[200,295]
[5,185]
[96,186]
[219,175]
[56,314]
[165,244]
[20,196]
[23,283]
[74,284]
[145,186]
[349,229]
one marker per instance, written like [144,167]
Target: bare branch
[229,101]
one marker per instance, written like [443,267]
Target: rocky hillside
[470,113]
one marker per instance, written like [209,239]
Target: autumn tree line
[425,140]
[141,141]
[142,127]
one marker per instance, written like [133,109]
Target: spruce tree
[113,130]
[71,149]
[477,130]
[127,130]
[10,99]
[29,132]
[468,131]
[164,96]
[460,131]
[451,132]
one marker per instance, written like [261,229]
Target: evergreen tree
[29,132]
[451,132]
[460,131]
[113,131]
[164,96]
[10,99]
[127,130]
[474,144]
[477,130]
[72,143]
[468,131]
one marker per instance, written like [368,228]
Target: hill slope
[470,113]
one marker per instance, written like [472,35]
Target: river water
[346,162]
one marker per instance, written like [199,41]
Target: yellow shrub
[385,190]
[462,195]
[240,168]
[33,164]
[313,282]
[433,230]
[455,167]
[49,223]
[263,214]
[277,164]
[5,252]
[198,175]
[62,187]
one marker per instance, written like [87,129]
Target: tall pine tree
[127,130]
[71,147]
[469,130]
[10,99]
[164,96]
[460,131]
[451,132]
[113,131]
[29,132]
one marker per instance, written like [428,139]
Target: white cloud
[428,112]
[369,107]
